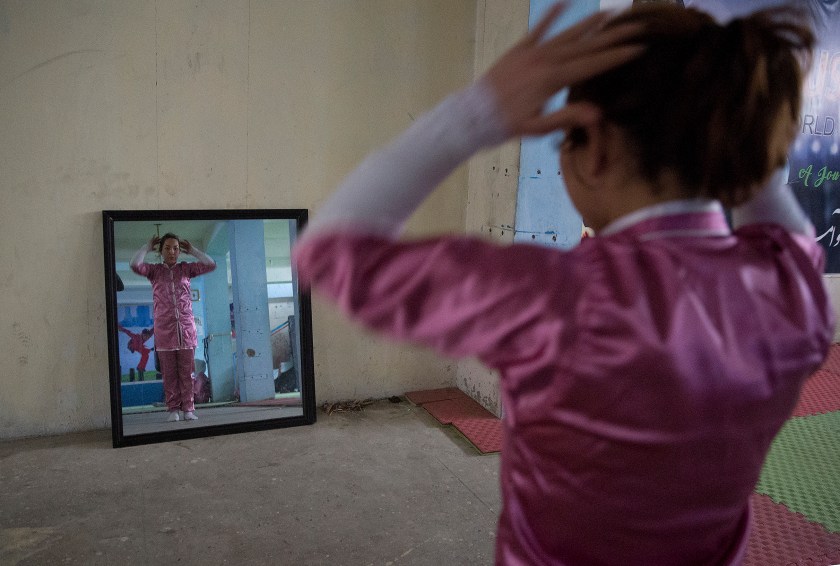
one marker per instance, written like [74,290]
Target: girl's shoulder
[773,238]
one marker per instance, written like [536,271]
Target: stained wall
[197,105]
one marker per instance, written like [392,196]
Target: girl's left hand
[186,247]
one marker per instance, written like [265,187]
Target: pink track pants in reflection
[177,367]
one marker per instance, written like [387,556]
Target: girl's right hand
[528,75]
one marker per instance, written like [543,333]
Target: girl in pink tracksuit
[174,326]
[644,373]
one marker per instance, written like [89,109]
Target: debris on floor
[345,406]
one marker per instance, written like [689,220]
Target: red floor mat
[452,406]
[784,538]
[832,361]
[450,410]
[484,433]
[429,395]
[820,394]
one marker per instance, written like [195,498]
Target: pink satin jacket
[171,296]
[643,373]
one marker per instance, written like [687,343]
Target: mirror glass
[251,366]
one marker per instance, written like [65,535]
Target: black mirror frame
[305,323]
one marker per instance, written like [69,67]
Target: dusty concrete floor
[388,485]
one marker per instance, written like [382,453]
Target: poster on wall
[814,160]
[136,342]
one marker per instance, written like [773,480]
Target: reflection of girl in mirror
[645,372]
[174,327]
[137,343]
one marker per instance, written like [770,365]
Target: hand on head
[154,241]
[186,247]
[535,69]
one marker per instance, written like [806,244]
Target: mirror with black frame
[208,332]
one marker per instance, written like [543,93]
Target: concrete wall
[197,104]
[493,174]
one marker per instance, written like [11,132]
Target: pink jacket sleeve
[142,268]
[460,296]
[196,268]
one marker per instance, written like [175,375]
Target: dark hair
[716,105]
[167,236]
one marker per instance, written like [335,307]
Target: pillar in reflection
[249,286]
[218,345]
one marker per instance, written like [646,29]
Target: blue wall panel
[544,213]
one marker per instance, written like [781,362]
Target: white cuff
[140,255]
[202,257]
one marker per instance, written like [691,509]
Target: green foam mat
[803,467]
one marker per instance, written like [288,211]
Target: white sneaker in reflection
[190,416]
[173,416]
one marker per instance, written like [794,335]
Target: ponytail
[715,105]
